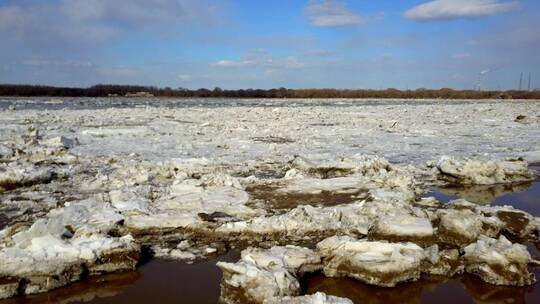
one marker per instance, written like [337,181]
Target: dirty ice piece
[376,263]
[483,172]
[499,262]
[316,298]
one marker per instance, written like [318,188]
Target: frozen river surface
[234,131]
[378,201]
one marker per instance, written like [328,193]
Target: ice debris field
[298,186]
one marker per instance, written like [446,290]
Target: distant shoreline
[10,90]
[284,99]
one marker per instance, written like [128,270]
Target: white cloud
[459,9]
[234,63]
[261,59]
[331,13]
[76,22]
[132,12]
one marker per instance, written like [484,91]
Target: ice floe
[483,172]
[499,262]
[376,263]
[22,174]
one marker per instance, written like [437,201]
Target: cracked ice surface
[412,133]
[83,191]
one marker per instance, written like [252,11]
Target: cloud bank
[86,22]
[458,9]
[330,13]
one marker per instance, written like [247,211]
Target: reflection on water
[481,194]
[95,288]
[156,282]
[429,289]
[175,282]
[524,196]
[461,289]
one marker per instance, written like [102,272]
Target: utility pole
[520,80]
[529,85]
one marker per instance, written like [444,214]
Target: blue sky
[264,44]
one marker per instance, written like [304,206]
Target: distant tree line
[122,90]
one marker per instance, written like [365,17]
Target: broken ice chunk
[293,258]
[483,172]
[499,262]
[376,263]
[459,227]
[60,142]
[245,282]
[316,298]
[402,228]
[15,175]
[443,262]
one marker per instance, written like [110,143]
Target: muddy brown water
[460,289]
[176,282]
[269,197]
[156,282]
[429,289]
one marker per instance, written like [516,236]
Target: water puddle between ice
[268,197]
[460,289]
[155,282]
[524,196]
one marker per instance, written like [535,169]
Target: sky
[232,44]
